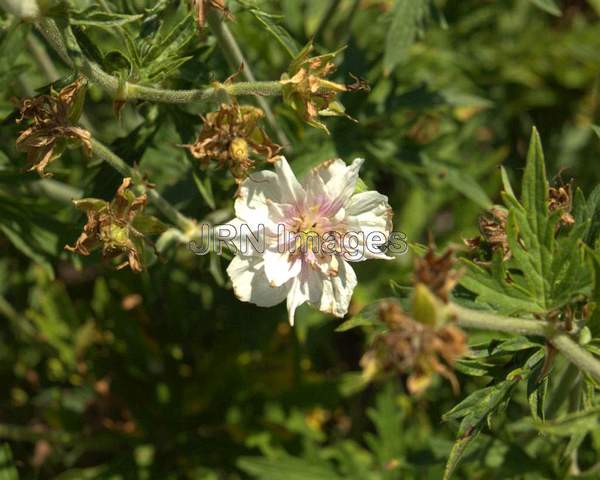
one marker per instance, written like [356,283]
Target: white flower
[324,206]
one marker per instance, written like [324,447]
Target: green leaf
[277,30]
[596,130]
[537,389]
[286,468]
[93,16]
[589,208]
[512,345]
[407,18]
[493,288]
[148,225]
[594,320]
[534,194]
[474,410]
[474,368]
[205,189]
[389,419]
[457,452]
[354,322]
[548,6]
[572,423]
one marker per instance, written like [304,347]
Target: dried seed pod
[230,136]
[51,130]
[437,272]
[306,90]
[492,228]
[119,227]
[560,199]
[415,349]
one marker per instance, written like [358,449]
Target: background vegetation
[164,374]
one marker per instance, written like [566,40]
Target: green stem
[468,318]
[187,225]
[563,342]
[576,355]
[235,57]
[67,48]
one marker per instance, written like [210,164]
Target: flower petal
[290,188]
[251,204]
[250,283]
[279,267]
[332,294]
[339,179]
[368,213]
[298,294]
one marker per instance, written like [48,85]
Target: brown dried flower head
[119,227]
[201,7]
[560,199]
[492,228]
[415,349]
[230,136]
[438,272]
[309,93]
[51,128]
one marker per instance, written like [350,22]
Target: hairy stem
[235,57]
[468,318]
[577,355]
[67,48]
[562,341]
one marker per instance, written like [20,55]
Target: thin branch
[468,318]
[577,355]
[562,341]
[67,48]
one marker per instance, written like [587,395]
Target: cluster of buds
[118,227]
[51,129]
[424,341]
[230,136]
[309,93]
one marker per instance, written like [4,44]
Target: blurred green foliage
[107,374]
